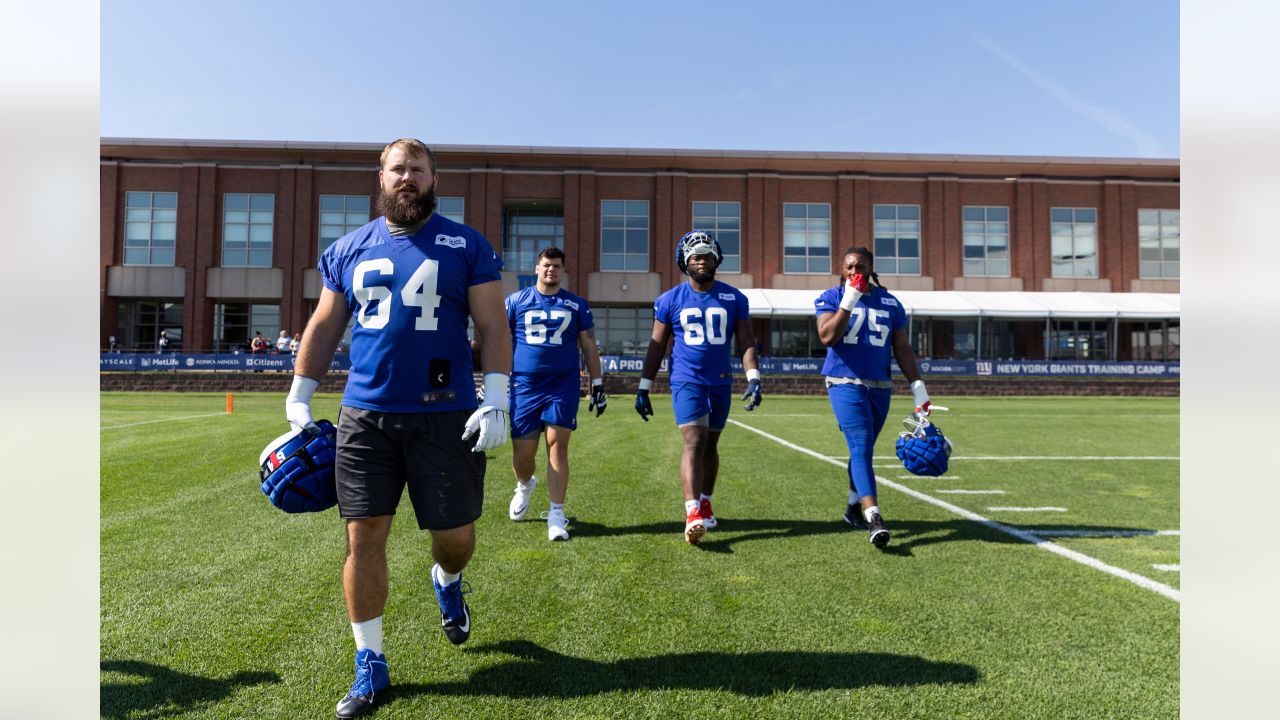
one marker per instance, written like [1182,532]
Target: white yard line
[1026,509]
[969,492]
[1043,457]
[1168,568]
[1054,532]
[1040,542]
[928,477]
[164,420]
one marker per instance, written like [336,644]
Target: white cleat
[557,525]
[520,502]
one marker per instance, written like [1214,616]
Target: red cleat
[694,528]
[708,517]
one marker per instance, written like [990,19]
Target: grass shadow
[907,534]
[165,692]
[534,671]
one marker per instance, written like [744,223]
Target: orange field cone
[231,403]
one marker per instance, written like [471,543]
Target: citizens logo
[451,241]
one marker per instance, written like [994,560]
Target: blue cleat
[370,686]
[455,616]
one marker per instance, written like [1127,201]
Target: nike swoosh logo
[466,613]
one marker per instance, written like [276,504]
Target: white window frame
[810,228]
[986,229]
[460,216]
[1076,232]
[1163,237]
[149,220]
[897,229]
[732,261]
[627,229]
[345,220]
[253,219]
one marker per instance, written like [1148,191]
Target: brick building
[209,241]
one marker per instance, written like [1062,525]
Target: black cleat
[879,533]
[853,517]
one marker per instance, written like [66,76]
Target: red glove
[859,283]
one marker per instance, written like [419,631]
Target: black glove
[643,406]
[753,392]
[598,400]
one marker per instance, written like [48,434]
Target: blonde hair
[412,147]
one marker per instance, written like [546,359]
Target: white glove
[853,291]
[490,419]
[921,396]
[297,406]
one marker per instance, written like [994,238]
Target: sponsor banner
[928,367]
[206,361]
[1078,367]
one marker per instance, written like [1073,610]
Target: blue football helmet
[297,469]
[922,448]
[696,243]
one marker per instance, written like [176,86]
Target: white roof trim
[770,302]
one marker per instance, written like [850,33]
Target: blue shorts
[692,402]
[541,400]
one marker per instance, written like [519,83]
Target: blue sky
[985,77]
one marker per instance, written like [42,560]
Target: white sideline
[1101,533]
[1027,509]
[970,492]
[926,477]
[1040,542]
[1168,568]
[150,422]
[1042,457]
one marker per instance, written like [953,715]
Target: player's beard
[705,276]
[407,212]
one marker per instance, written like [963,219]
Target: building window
[247,222]
[986,241]
[806,238]
[1159,243]
[235,323]
[150,228]
[141,322]
[795,337]
[454,208]
[724,221]
[1074,238]
[1155,340]
[1078,340]
[624,235]
[527,232]
[339,215]
[623,330]
[897,239]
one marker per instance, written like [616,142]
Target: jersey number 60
[714,332]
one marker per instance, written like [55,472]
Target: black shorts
[379,453]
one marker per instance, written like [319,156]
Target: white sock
[853,497]
[368,634]
[690,506]
[866,512]
[443,577]
[703,496]
[525,482]
[557,506]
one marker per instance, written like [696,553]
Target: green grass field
[216,605]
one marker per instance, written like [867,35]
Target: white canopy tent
[776,303]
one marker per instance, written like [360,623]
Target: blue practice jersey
[703,325]
[867,347]
[409,346]
[545,330]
